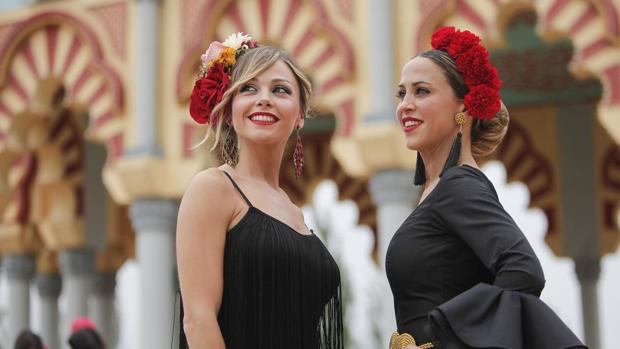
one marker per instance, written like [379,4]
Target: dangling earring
[298,155]
[455,151]
[420,171]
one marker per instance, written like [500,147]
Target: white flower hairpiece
[236,40]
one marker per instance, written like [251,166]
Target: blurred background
[95,150]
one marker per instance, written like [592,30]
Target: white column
[102,307]
[588,271]
[19,271]
[395,197]
[381,59]
[146,77]
[154,222]
[49,286]
[77,268]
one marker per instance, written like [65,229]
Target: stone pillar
[146,77]
[588,271]
[395,197]
[19,271]
[77,268]
[381,58]
[102,307]
[580,212]
[154,221]
[49,286]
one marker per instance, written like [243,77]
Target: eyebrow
[281,80]
[274,80]
[415,83]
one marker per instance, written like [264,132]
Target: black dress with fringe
[464,276]
[281,287]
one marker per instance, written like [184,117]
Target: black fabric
[420,171]
[281,288]
[461,261]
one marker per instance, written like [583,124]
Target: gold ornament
[401,341]
[460,118]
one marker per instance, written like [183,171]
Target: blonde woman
[252,274]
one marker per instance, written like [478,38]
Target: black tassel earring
[455,151]
[420,171]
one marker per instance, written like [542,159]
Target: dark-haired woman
[462,273]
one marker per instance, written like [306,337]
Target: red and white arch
[59,45]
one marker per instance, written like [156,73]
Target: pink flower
[213,52]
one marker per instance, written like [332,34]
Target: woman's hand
[411,346]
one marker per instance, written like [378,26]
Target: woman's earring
[460,120]
[455,151]
[298,155]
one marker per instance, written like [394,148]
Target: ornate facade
[95,139]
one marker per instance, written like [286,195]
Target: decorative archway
[57,76]
[74,55]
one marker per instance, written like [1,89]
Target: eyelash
[276,89]
[245,88]
[402,93]
[284,89]
[421,90]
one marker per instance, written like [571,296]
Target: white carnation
[235,40]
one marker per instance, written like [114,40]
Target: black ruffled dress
[464,276]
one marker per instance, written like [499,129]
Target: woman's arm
[469,207]
[204,216]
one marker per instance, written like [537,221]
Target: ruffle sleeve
[488,316]
[507,314]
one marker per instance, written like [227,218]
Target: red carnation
[473,57]
[472,62]
[482,102]
[461,42]
[482,74]
[207,93]
[442,37]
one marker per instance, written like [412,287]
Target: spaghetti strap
[238,189]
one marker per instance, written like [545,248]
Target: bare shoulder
[208,194]
[210,181]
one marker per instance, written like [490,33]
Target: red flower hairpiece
[215,75]
[472,62]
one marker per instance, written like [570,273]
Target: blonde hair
[249,65]
[486,135]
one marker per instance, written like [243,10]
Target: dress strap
[238,189]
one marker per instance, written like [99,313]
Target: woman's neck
[261,162]
[435,158]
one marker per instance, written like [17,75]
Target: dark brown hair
[486,135]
